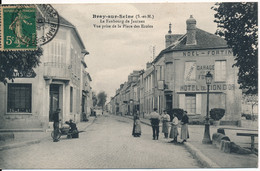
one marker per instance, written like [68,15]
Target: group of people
[155,119]
[73,131]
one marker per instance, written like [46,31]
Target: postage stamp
[24,27]
[18,27]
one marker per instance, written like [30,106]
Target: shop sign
[161,85]
[202,71]
[219,52]
[30,74]
[194,72]
[202,88]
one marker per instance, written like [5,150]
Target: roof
[89,77]
[204,40]
[61,21]
[66,23]
[84,64]
[174,36]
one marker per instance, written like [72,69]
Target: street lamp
[131,106]
[206,138]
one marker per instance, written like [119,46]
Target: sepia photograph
[128,85]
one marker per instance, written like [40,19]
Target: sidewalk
[32,137]
[209,155]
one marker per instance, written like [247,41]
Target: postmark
[18,27]
[47,23]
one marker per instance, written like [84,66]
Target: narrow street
[107,143]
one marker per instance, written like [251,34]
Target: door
[168,102]
[54,100]
[169,105]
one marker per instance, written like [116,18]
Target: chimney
[191,31]
[169,37]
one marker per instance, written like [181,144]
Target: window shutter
[182,101]
[198,103]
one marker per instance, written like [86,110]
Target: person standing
[184,127]
[155,120]
[174,129]
[165,123]
[56,123]
[136,127]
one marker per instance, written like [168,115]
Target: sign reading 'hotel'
[202,88]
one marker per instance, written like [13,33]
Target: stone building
[61,81]
[186,60]
[176,77]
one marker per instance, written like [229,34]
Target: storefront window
[220,71]
[190,100]
[19,98]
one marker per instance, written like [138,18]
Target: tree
[22,62]
[251,100]
[102,98]
[237,23]
[94,99]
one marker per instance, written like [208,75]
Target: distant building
[60,82]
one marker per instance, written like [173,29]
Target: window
[190,71]
[71,99]
[19,98]
[160,74]
[190,100]
[220,71]
[169,72]
[57,52]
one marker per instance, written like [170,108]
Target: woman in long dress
[174,129]
[136,127]
[184,127]
[165,123]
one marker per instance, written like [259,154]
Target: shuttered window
[190,100]
[220,71]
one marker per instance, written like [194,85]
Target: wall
[222,94]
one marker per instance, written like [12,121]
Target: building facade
[186,61]
[176,77]
[60,82]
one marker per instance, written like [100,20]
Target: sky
[116,52]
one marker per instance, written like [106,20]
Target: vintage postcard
[151,85]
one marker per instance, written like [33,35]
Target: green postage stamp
[18,28]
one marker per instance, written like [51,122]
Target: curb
[197,154]
[200,157]
[25,143]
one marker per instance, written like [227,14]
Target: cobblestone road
[108,143]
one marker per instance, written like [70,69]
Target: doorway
[54,100]
[168,102]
